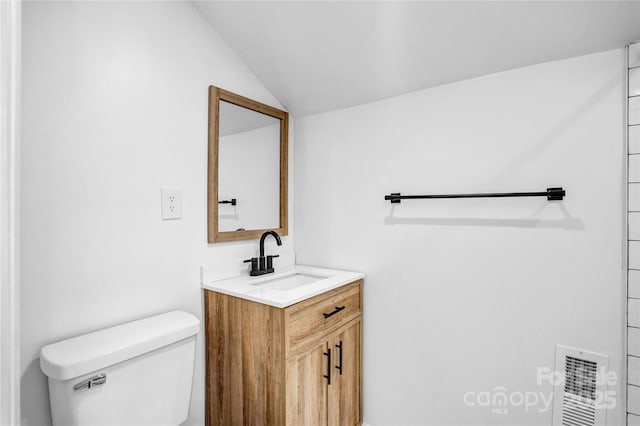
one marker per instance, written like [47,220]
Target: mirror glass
[249,169]
[248,161]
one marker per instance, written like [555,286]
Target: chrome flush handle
[97,380]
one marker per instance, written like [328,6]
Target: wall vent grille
[578,412]
[575,397]
[580,377]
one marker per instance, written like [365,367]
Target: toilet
[138,373]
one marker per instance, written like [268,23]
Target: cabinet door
[307,388]
[344,403]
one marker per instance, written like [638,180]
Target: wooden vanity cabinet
[299,365]
[344,400]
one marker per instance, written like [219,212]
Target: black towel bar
[550,193]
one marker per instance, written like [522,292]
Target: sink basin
[290,281]
[284,287]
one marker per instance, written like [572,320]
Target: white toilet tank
[138,373]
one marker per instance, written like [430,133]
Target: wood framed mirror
[247,179]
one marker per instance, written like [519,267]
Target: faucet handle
[254,264]
[270,261]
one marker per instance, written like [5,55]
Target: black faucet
[262,265]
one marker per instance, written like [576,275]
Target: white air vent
[578,397]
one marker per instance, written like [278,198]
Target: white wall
[469,295]
[114,108]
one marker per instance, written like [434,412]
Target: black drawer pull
[335,311]
[328,375]
[339,367]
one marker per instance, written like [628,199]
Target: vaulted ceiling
[321,56]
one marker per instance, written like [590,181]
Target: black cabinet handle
[232,201]
[339,366]
[335,311]
[328,375]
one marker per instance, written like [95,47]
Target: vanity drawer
[312,319]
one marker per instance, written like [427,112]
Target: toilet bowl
[138,373]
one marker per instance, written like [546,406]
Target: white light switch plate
[171,203]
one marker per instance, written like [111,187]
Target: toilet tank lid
[90,352]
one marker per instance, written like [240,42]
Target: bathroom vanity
[284,349]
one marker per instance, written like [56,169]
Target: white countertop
[250,288]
